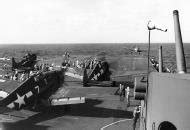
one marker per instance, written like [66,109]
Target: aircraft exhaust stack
[180,58]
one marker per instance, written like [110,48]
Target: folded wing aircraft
[35,89]
[49,89]
[26,64]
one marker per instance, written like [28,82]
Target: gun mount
[165,97]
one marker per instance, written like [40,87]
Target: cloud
[58,21]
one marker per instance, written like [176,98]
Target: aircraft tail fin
[85,78]
[14,64]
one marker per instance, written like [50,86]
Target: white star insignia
[20,100]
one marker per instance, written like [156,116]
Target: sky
[90,21]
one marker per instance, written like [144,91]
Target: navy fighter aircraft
[138,50]
[37,89]
[26,64]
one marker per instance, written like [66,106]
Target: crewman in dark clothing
[136,116]
[121,92]
[106,72]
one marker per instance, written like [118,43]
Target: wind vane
[152,27]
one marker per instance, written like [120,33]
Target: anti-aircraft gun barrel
[180,58]
[160,60]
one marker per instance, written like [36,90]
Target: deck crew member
[23,77]
[121,92]
[15,77]
[127,90]
[136,116]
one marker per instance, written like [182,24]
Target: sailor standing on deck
[127,90]
[22,77]
[136,116]
[121,92]
[77,64]
[15,77]
[91,64]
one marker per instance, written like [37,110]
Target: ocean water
[109,50]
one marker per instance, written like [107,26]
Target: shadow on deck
[89,109]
